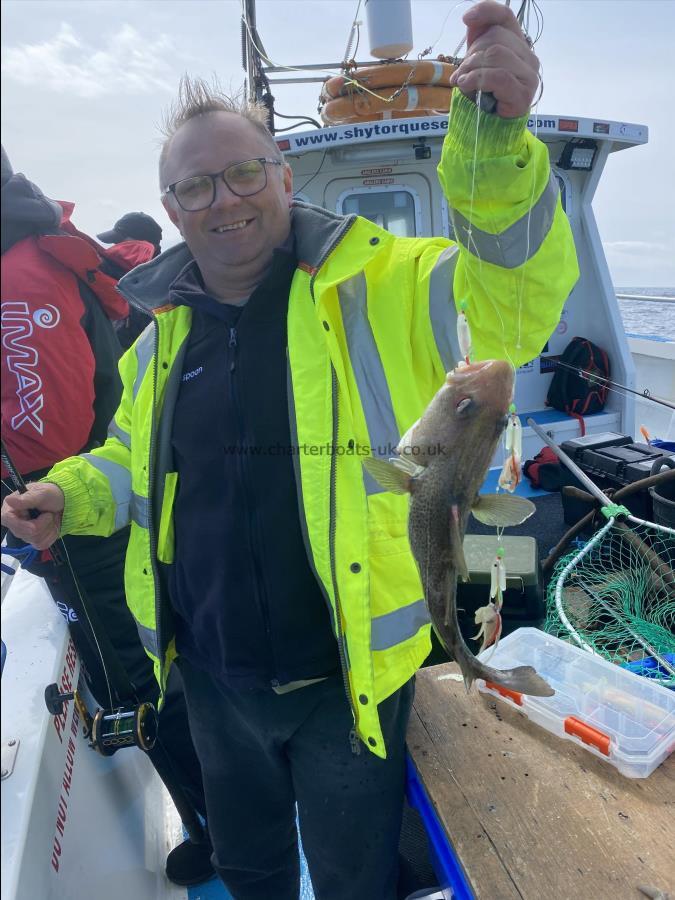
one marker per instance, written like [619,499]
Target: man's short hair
[196,97]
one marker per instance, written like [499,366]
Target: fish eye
[464,405]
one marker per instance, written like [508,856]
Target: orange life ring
[386,116]
[366,107]
[424,71]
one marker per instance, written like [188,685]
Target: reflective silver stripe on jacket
[397,626]
[123,436]
[368,370]
[145,347]
[119,479]
[442,310]
[148,638]
[520,241]
[140,510]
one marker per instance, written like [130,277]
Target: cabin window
[395,209]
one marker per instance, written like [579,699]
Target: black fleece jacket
[249,609]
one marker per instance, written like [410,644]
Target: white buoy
[389,28]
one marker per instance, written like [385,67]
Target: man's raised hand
[499,60]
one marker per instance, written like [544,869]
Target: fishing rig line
[510,475]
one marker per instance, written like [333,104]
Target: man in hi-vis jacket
[285,338]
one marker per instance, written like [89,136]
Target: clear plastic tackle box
[623,718]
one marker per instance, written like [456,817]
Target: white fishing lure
[512,472]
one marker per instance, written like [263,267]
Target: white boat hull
[74,824]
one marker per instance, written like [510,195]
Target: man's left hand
[499,60]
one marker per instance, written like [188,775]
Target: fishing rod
[123,724]
[594,378]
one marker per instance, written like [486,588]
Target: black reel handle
[488,102]
[54,700]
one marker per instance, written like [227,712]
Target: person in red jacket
[60,385]
[60,389]
[133,230]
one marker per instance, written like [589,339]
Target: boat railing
[649,298]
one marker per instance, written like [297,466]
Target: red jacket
[60,385]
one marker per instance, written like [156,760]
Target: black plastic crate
[614,467]
[624,464]
[576,446]
[643,469]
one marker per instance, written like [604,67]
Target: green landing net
[616,596]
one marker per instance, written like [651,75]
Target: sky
[85,83]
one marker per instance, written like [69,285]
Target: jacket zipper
[332,528]
[332,523]
[151,493]
[250,515]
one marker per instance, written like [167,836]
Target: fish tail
[522,679]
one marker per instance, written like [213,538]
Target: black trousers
[98,564]
[262,752]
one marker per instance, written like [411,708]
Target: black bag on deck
[575,394]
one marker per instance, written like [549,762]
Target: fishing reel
[110,729]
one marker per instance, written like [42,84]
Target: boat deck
[530,815]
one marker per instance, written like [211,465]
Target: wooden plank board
[530,815]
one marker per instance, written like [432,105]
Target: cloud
[641,262]
[633,248]
[128,64]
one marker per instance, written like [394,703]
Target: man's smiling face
[235,230]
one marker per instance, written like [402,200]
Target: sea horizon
[647,317]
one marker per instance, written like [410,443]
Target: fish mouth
[499,366]
[490,382]
[468,369]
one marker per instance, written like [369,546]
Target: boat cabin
[385,170]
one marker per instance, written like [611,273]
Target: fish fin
[457,545]
[502,510]
[405,464]
[387,475]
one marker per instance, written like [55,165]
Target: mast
[252,57]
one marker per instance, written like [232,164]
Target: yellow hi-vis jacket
[371,334]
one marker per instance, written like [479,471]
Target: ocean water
[643,317]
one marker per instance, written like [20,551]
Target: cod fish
[443,460]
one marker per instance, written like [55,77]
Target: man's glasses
[244,179]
